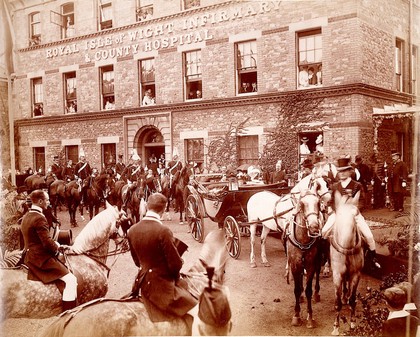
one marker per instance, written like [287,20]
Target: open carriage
[223,202]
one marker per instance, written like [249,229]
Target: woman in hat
[350,189]
[398,181]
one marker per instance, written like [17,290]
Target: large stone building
[82,70]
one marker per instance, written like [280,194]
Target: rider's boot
[68,305]
[371,256]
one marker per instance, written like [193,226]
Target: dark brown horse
[73,194]
[57,193]
[136,205]
[97,190]
[35,182]
[303,251]
[176,193]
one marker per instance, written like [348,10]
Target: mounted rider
[42,252]
[119,166]
[174,170]
[131,174]
[56,168]
[82,171]
[350,190]
[68,171]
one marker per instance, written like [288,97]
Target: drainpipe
[410,51]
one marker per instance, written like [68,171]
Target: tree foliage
[297,109]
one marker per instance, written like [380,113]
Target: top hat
[319,139]
[120,156]
[307,163]
[395,153]
[55,157]
[214,308]
[304,139]
[343,164]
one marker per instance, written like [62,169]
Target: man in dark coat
[364,178]
[174,167]
[56,168]
[119,166]
[41,252]
[398,180]
[82,170]
[68,171]
[154,252]
[279,175]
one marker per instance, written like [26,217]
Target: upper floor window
[414,70]
[70,92]
[309,58]
[144,10]
[248,150]
[246,67]
[191,4]
[399,64]
[193,76]
[105,14]
[107,86]
[37,97]
[67,12]
[147,81]
[34,29]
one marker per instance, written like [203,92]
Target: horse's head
[309,209]
[319,186]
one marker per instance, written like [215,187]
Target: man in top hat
[119,166]
[306,168]
[398,175]
[350,190]
[55,168]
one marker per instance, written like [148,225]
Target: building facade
[165,77]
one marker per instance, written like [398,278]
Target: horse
[274,212]
[97,190]
[135,204]
[346,259]
[57,193]
[86,258]
[73,196]
[180,181]
[128,317]
[35,182]
[303,251]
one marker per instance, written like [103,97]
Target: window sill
[38,116]
[310,86]
[247,93]
[193,99]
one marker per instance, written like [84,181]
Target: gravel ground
[261,301]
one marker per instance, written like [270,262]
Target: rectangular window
[105,14]
[195,151]
[399,64]
[191,4]
[309,59]
[70,82]
[37,97]
[414,71]
[107,86]
[248,150]
[144,10]
[67,11]
[39,159]
[193,79]
[35,29]
[72,153]
[246,66]
[108,155]
[147,82]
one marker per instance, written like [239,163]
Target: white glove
[404,184]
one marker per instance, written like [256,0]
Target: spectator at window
[109,105]
[38,110]
[254,87]
[244,88]
[304,77]
[311,76]
[148,99]
[198,94]
[319,75]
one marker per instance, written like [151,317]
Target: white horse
[275,212]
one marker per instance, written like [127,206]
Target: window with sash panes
[67,12]
[399,64]
[309,67]
[248,150]
[34,29]
[39,159]
[147,82]
[105,14]
[193,75]
[107,86]
[72,153]
[191,4]
[144,10]
[108,155]
[246,67]
[70,82]
[37,97]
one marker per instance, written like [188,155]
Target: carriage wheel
[195,218]
[233,237]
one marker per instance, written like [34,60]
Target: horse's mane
[345,223]
[96,231]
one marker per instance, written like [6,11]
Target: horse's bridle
[305,216]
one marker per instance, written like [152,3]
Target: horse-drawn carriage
[224,202]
